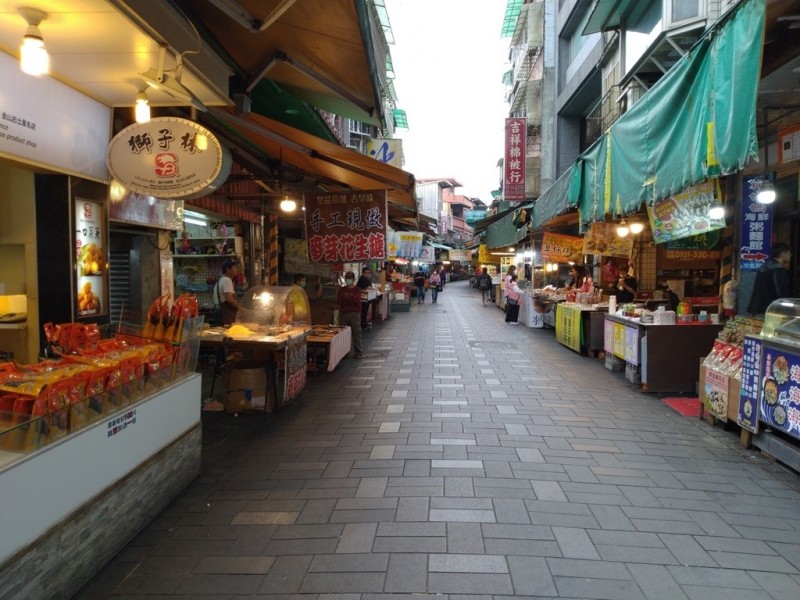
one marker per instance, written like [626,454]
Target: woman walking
[435,285]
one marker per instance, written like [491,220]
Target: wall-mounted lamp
[766,192]
[288,205]
[142,109]
[622,229]
[34,59]
[716,210]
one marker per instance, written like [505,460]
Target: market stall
[581,326]
[662,357]
[328,345]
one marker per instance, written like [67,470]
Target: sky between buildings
[449,61]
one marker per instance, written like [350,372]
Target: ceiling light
[142,109]
[511,248]
[288,205]
[622,229]
[716,210]
[766,193]
[34,59]
[636,227]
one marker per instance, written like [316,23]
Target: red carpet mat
[688,407]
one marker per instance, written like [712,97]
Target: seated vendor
[626,287]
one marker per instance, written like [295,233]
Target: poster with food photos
[779,397]
[91,264]
[748,393]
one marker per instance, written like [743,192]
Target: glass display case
[263,308]
[782,321]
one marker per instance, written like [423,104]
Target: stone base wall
[64,559]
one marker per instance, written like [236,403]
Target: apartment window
[678,11]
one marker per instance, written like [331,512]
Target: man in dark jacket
[772,280]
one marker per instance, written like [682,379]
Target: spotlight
[142,109]
[34,59]
[288,205]
[766,194]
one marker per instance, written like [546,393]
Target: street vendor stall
[328,343]
[581,326]
[271,328]
[662,357]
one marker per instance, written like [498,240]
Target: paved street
[473,459]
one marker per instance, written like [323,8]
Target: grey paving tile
[407,573]
[509,510]
[342,583]
[531,576]
[463,515]
[286,575]
[657,582]
[357,538]
[464,538]
[412,509]
[469,583]
[574,542]
[349,563]
[467,563]
[601,589]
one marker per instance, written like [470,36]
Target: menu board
[91,263]
[779,397]
[685,214]
[568,326]
[748,395]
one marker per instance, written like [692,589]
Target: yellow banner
[562,248]
[602,240]
[485,257]
[568,326]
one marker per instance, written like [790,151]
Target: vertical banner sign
[295,374]
[779,398]
[756,226]
[748,394]
[346,226]
[514,164]
[90,258]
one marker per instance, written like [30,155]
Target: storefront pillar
[272,250]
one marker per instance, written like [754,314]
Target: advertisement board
[685,214]
[779,396]
[557,247]
[602,240]
[346,226]
[91,258]
[756,224]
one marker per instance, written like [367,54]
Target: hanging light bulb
[288,205]
[766,193]
[716,210]
[636,227]
[622,229]
[34,59]
[142,109]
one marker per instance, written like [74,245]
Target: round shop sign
[168,157]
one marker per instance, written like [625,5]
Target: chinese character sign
[779,396]
[602,240]
[346,226]
[514,165]
[90,258]
[756,226]
[561,248]
[389,152]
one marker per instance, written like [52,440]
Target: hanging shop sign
[389,152]
[756,223]
[514,161]
[460,255]
[405,244]
[485,257]
[685,214]
[789,144]
[45,122]
[695,248]
[473,216]
[168,157]
[346,226]
[602,240]
[145,210]
[91,262]
[561,248]
[295,260]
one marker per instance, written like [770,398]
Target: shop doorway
[134,277]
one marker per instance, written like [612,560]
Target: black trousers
[512,312]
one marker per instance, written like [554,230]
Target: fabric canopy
[318,158]
[505,231]
[697,122]
[553,201]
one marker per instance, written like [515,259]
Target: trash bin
[245,386]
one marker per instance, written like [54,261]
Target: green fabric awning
[554,201]
[513,8]
[400,119]
[697,122]
[270,99]
[607,14]
[505,232]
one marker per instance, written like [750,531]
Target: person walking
[435,285]
[513,297]
[772,280]
[484,283]
[349,300]
[420,280]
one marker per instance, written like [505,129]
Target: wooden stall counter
[333,342]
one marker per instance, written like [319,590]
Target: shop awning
[318,158]
[440,246]
[553,201]
[505,232]
[322,52]
[697,122]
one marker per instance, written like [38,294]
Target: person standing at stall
[772,280]
[349,300]
[513,296]
[226,304]
[626,287]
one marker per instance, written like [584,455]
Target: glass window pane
[685,9]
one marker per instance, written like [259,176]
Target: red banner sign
[514,164]
[346,226]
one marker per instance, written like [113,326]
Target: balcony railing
[603,115]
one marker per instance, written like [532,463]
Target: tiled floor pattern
[477,460]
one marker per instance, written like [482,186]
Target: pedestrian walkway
[474,460]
